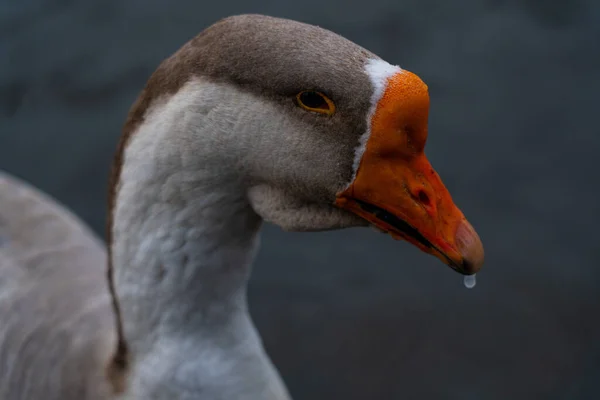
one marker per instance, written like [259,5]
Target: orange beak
[396,188]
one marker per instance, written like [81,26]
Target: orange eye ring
[312,100]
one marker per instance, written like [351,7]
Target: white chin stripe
[378,72]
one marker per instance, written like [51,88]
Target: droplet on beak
[470,281]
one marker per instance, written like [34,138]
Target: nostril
[423,198]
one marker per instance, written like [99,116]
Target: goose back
[56,321]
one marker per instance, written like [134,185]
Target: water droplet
[469,281]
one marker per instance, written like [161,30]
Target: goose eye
[315,101]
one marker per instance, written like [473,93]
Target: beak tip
[470,247]
[471,268]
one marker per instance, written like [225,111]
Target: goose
[255,119]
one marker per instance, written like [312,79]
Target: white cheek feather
[379,72]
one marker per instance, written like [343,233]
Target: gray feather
[56,320]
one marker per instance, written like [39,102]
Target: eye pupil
[313,100]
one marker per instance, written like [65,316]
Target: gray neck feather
[184,239]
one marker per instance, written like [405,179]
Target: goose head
[326,134]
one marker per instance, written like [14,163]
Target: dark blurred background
[353,314]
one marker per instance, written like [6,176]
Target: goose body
[57,325]
[256,119]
